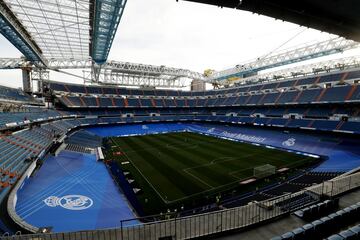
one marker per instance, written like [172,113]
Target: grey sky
[187,35]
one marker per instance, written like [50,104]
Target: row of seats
[280,189]
[323,125]
[19,117]
[352,233]
[283,188]
[310,178]
[13,94]
[84,138]
[296,202]
[203,114]
[320,79]
[18,150]
[77,148]
[318,111]
[337,94]
[324,226]
[317,210]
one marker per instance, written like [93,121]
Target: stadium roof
[61,29]
[333,16]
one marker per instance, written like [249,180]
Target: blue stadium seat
[287,236]
[348,235]
[306,81]
[241,100]
[334,77]
[325,124]
[105,102]
[296,123]
[14,94]
[336,94]
[133,102]
[335,237]
[270,98]
[287,97]
[109,90]
[159,102]
[145,102]
[119,102]
[94,90]
[90,101]
[254,99]
[353,75]
[309,96]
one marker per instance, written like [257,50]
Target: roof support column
[26,80]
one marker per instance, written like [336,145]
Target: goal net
[264,171]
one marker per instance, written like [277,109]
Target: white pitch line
[215,161]
[199,179]
[151,185]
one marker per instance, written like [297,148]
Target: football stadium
[99,148]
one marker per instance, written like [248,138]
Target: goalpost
[264,171]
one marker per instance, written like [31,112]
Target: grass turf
[179,166]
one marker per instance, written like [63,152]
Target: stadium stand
[332,78]
[320,116]
[297,183]
[351,233]
[13,94]
[85,139]
[312,105]
[77,148]
[318,210]
[334,94]
[325,226]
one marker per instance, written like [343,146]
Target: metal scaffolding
[303,70]
[285,57]
[109,77]
[113,72]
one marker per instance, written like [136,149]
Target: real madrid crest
[289,143]
[70,202]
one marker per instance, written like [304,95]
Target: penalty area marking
[182,146]
[213,162]
[216,161]
[199,179]
[173,146]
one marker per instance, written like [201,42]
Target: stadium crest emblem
[211,130]
[289,143]
[70,202]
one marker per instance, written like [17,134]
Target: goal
[264,171]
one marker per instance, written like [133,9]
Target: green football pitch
[177,166]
